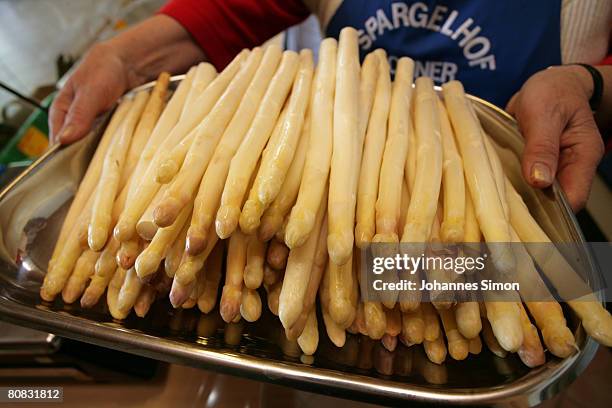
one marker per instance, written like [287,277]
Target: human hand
[96,84]
[561,136]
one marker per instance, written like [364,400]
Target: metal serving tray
[31,212]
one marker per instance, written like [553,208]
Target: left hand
[561,136]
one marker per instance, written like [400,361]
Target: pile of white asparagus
[274,173]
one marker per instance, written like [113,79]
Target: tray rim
[533,388]
[529,388]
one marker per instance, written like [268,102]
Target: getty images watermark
[491,272]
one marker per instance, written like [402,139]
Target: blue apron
[493,47]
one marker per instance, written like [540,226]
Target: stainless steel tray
[32,209]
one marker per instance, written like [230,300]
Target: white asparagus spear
[183,188]
[297,274]
[280,233]
[309,339]
[59,271]
[340,286]
[211,186]
[146,124]
[146,189]
[208,298]
[491,341]
[468,319]
[498,174]
[103,273]
[425,192]
[318,267]
[319,150]
[146,227]
[204,74]
[280,152]
[173,160]
[505,316]
[145,299]
[273,292]
[475,345]
[374,146]
[271,275]
[129,292]
[479,176]
[453,183]
[276,215]
[83,270]
[390,297]
[432,323]
[335,332]
[191,264]
[435,350]
[277,255]
[413,326]
[180,293]
[405,203]
[89,182]
[343,246]
[108,187]
[359,325]
[341,206]
[505,319]
[232,290]
[170,161]
[375,319]
[458,346]
[549,318]
[472,229]
[250,305]
[394,321]
[254,269]
[424,195]
[113,293]
[253,208]
[531,351]
[128,252]
[245,160]
[546,311]
[596,320]
[162,127]
[367,90]
[411,159]
[355,294]
[149,260]
[175,252]
[394,156]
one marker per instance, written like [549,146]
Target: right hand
[96,84]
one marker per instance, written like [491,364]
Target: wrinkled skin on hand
[561,136]
[96,84]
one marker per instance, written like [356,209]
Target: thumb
[511,106]
[80,116]
[542,127]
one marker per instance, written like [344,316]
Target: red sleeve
[224,27]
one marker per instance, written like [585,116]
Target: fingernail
[540,173]
[66,133]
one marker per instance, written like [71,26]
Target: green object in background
[31,139]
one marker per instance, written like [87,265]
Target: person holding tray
[501,54]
